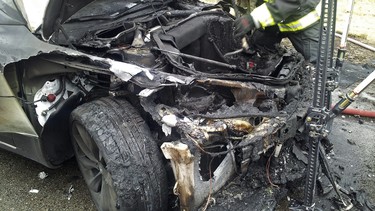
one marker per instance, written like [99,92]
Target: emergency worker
[275,19]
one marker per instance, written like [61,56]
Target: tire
[120,162]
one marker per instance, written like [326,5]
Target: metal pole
[349,97]
[345,31]
[342,48]
[368,47]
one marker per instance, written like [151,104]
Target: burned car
[140,92]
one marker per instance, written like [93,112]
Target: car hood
[58,11]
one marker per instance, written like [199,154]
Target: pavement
[18,176]
[353,160]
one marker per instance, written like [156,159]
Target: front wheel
[120,162]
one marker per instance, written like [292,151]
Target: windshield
[104,9]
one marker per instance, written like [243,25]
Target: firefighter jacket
[288,15]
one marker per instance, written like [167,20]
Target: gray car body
[17,43]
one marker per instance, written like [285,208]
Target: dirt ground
[362,28]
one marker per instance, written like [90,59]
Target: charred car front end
[114,70]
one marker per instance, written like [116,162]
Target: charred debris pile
[215,118]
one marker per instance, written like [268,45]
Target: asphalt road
[19,175]
[353,160]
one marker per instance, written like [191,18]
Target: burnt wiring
[239,115]
[210,192]
[268,80]
[216,154]
[218,51]
[233,157]
[221,146]
[231,148]
[43,98]
[96,83]
[209,198]
[214,146]
[157,17]
[268,165]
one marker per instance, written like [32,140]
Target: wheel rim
[93,167]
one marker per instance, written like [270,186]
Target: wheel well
[25,79]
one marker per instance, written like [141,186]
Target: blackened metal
[327,171]
[179,13]
[138,56]
[209,61]
[250,114]
[233,52]
[332,32]
[289,129]
[332,73]
[323,54]
[311,171]
[316,120]
[55,133]
[58,11]
[269,80]
[66,36]
[218,51]
[27,44]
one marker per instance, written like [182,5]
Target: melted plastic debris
[42,175]
[70,192]
[34,191]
